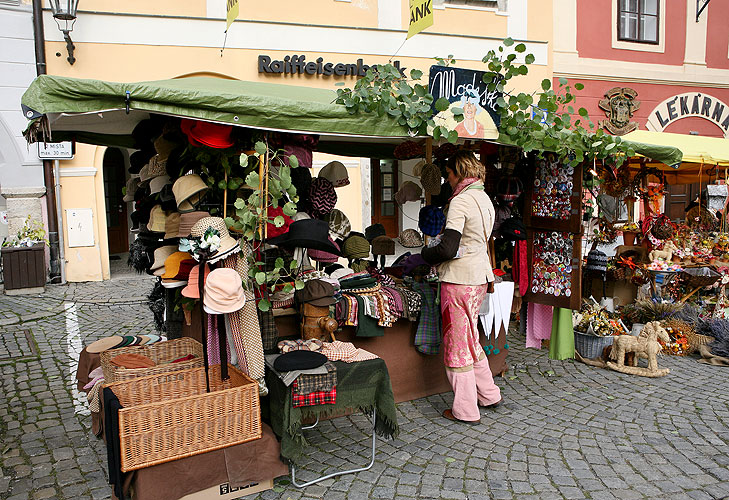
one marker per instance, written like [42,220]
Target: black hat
[306,233]
[299,360]
[374,231]
[512,229]
[167,199]
[301,180]
[140,158]
[145,132]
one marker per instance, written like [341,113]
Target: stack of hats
[336,173]
[160,256]
[117,341]
[177,270]
[323,256]
[431,220]
[187,220]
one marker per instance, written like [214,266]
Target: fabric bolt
[471,388]
[520,269]
[460,305]
[306,384]
[428,334]
[313,398]
[538,324]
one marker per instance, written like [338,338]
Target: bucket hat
[192,290]
[132,185]
[228,244]
[189,191]
[316,292]
[223,292]
[382,245]
[160,256]
[157,220]
[336,173]
[409,191]
[339,225]
[306,233]
[322,256]
[157,166]
[430,178]
[188,220]
[373,231]
[356,247]
[322,197]
[157,183]
[144,176]
[178,266]
[410,238]
[172,225]
[431,220]
[213,135]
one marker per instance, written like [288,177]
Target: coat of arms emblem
[619,105]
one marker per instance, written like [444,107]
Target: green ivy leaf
[264,305]
[299,284]
[289,209]
[278,263]
[442,104]
[562,80]
[288,287]
[253,179]
[278,221]
[416,74]
[546,84]
[222,184]
[457,110]
[452,136]
[260,278]
[244,161]
[293,161]
[529,59]
[284,175]
[260,148]
[293,265]
[520,48]
[579,86]
[582,112]
[508,42]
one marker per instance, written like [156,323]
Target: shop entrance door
[384,208]
[116,208]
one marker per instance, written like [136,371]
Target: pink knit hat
[326,257]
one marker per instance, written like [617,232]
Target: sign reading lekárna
[694,104]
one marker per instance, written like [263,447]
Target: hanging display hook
[127,100]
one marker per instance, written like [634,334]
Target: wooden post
[428,159]
[225,196]
[261,173]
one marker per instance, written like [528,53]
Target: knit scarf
[463,185]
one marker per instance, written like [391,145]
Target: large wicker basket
[591,346]
[699,276]
[171,416]
[161,353]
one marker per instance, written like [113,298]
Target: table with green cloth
[363,386]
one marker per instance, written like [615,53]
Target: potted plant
[630,230]
[24,263]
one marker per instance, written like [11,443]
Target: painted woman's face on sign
[469,110]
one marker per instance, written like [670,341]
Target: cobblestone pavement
[566,430]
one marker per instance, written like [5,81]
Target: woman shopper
[464,268]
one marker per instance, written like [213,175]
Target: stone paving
[567,430]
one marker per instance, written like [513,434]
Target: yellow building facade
[141,40]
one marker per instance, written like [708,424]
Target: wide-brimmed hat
[132,185]
[322,197]
[373,231]
[187,220]
[192,290]
[322,256]
[228,244]
[213,135]
[356,247]
[271,230]
[157,220]
[189,191]
[339,225]
[306,233]
[430,178]
[382,245]
[409,191]
[160,256]
[223,291]
[410,238]
[172,225]
[336,173]
[157,183]
[316,292]
[178,266]
[431,220]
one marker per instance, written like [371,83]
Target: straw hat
[192,290]
[228,244]
[223,292]
[132,185]
[189,191]
[188,220]
[410,238]
[157,183]
[172,225]
[430,179]
[160,256]
[409,191]
[157,220]
[336,173]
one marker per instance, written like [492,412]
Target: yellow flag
[231,12]
[421,16]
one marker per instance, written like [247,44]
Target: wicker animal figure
[666,253]
[644,346]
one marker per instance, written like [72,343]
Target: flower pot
[629,238]
[24,269]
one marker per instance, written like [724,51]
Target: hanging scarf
[463,185]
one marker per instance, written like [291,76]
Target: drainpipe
[56,263]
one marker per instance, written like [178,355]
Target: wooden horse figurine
[644,346]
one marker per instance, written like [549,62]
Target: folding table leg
[334,474]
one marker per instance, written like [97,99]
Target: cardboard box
[226,492]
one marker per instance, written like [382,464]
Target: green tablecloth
[362,386]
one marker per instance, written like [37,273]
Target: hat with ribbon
[356,247]
[223,292]
[228,244]
[157,220]
[192,290]
[322,197]
[213,135]
[132,185]
[336,173]
[431,179]
[339,225]
[172,225]
[316,292]
[375,230]
[322,256]
[160,256]
[188,220]
[306,233]
[189,191]
[382,245]
[409,191]
[431,220]
[157,183]
[410,238]
[271,230]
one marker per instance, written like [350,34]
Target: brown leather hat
[317,293]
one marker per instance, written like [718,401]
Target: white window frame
[640,46]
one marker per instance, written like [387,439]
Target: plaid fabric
[345,351]
[428,336]
[306,384]
[314,398]
[269,332]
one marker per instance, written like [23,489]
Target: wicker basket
[591,346]
[696,340]
[663,228]
[161,353]
[619,273]
[699,276]
[171,416]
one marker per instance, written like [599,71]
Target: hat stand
[203,321]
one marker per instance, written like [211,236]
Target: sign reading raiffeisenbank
[421,16]
[694,104]
[298,65]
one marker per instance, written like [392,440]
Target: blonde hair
[465,164]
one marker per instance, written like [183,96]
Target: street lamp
[64,12]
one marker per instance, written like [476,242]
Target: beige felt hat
[409,191]
[104,344]
[223,291]
[157,183]
[172,225]
[189,191]
[132,185]
[336,173]
[157,219]
[160,256]
[187,220]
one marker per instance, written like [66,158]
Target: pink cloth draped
[539,324]
[459,306]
